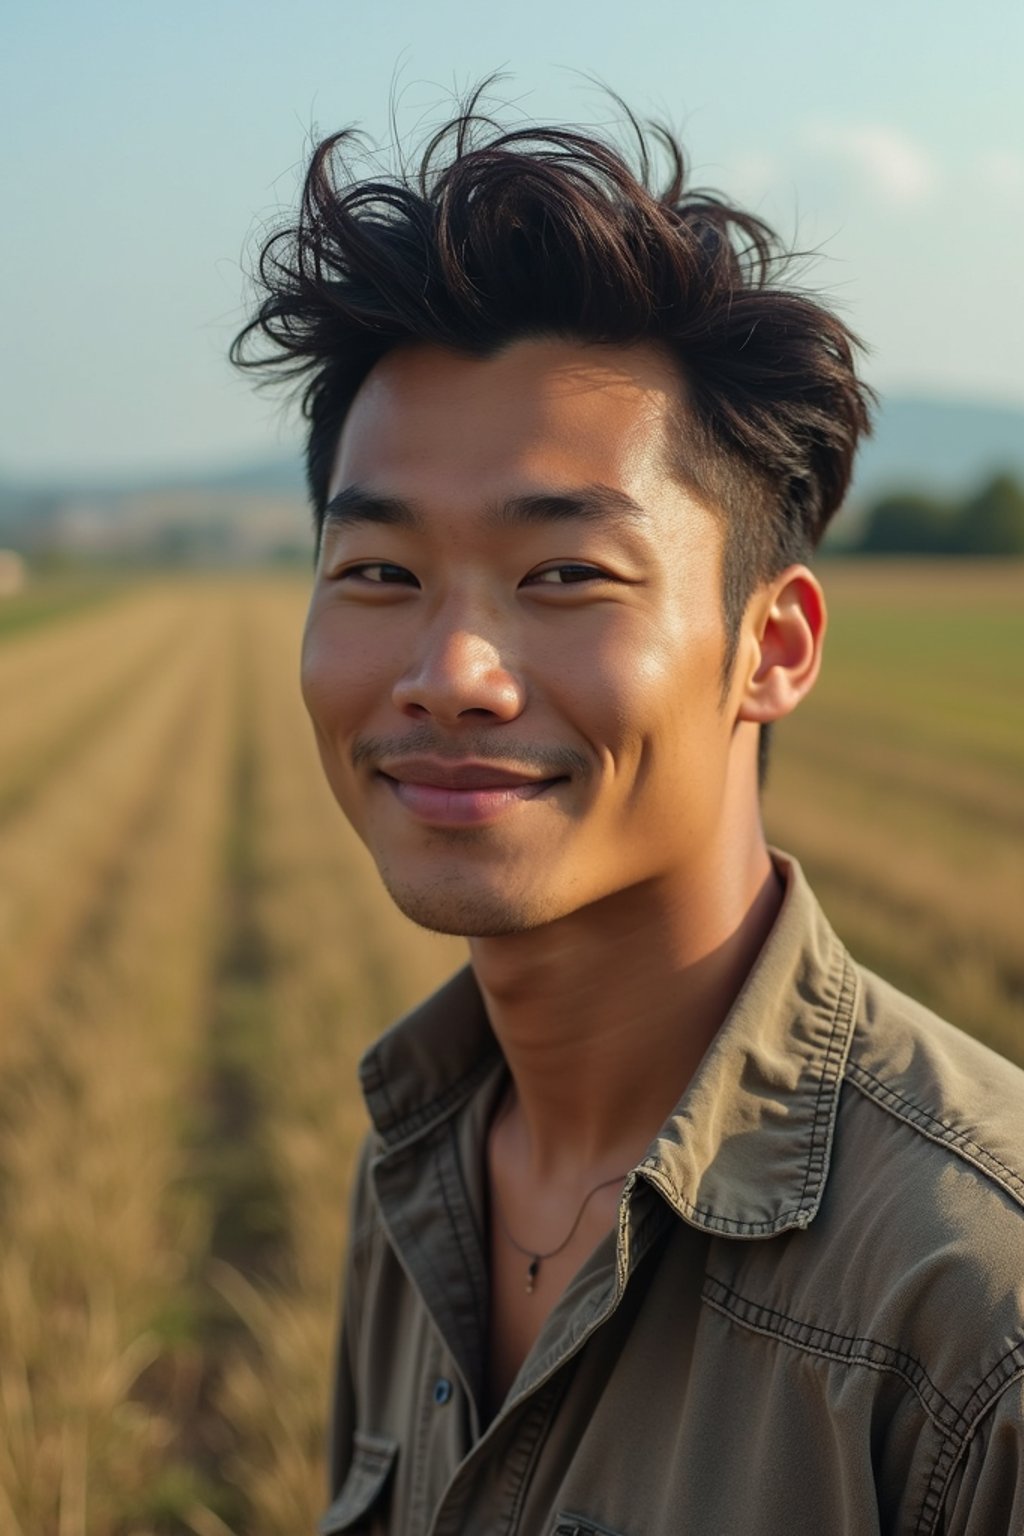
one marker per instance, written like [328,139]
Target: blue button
[442,1391]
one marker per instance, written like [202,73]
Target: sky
[144,147]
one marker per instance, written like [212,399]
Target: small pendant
[531,1275]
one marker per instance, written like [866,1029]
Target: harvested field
[900,784]
[194,950]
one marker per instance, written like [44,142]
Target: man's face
[514,648]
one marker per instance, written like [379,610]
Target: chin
[459,909]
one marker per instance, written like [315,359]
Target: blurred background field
[194,950]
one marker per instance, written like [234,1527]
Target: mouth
[462,795]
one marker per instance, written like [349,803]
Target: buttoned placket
[518,1429]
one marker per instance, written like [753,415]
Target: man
[671,1217]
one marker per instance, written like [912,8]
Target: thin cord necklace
[537,1259]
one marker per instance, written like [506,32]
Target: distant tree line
[989,522]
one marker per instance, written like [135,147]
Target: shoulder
[963,1102]
[926,1194]
[913,1267]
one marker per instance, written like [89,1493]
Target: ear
[785,629]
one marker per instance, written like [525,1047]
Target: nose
[458,672]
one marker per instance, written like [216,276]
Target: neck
[603,1016]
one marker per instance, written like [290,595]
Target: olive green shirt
[809,1321]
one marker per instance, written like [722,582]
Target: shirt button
[442,1391]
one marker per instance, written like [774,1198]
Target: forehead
[542,411]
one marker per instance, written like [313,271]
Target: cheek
[341,689]
[654,696]
[652,690]
[342,672]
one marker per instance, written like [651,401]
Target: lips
[460,794]
[470,775]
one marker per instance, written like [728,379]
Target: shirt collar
[746,1150]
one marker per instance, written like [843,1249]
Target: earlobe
[788,620]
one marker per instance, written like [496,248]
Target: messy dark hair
[498,235]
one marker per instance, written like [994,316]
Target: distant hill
[944,447]
[277,476]
[24,508]
[286,476]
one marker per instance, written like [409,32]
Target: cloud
[751,174]
[890,163]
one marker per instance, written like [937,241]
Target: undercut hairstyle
[498,235]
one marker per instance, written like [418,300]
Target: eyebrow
[355,506]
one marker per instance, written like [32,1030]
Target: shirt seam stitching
[441,1151]
[705,1216]
[547,1408]
[829,1082]
[404,1228]
[399,1129]
[899,1362]
[956,1442]
[830,1078]
[921,1119]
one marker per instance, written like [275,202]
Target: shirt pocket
[373,1456]
[580,1525]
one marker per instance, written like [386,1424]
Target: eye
[379,573]
[567,575]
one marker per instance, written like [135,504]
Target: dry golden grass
[90,1120]
[194,950]
[58,680]
[58,846]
